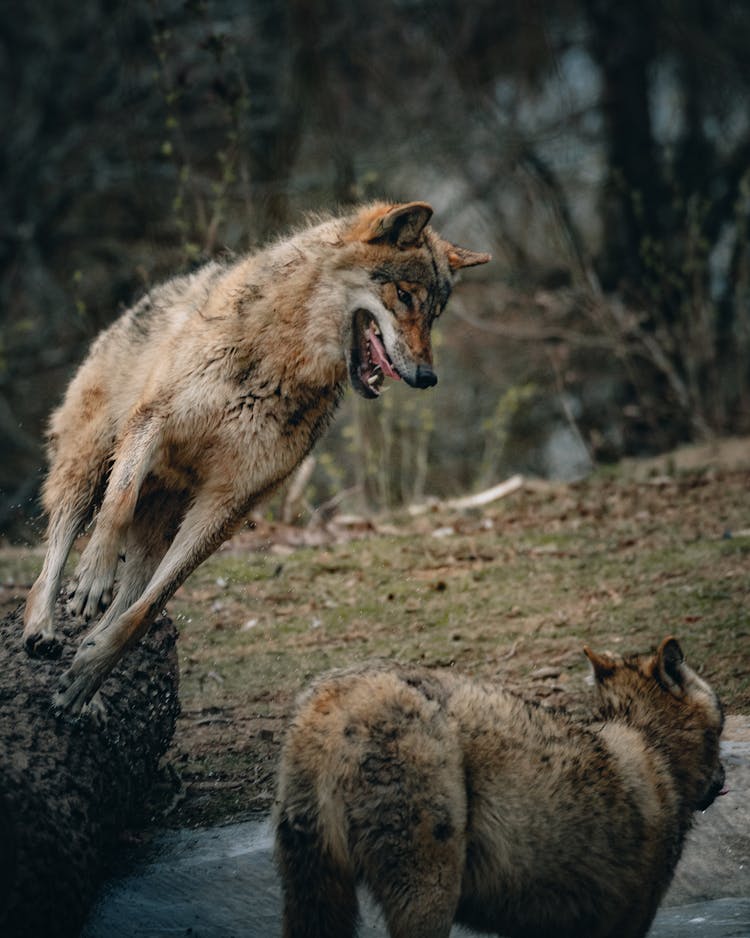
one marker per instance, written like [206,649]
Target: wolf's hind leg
[39,616]
[409,835]
[80,446]
[419,900]
[320,899]
[69,495]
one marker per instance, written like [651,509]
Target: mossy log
[67,788]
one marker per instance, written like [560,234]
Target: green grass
[436,599]
[610,562]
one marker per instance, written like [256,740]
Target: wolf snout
[716,788]
[424,377]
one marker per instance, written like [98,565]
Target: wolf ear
[399,225]
[668,665]
[459,257]
[603,666]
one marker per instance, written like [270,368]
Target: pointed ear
[459,257]
[399,225]
[602,665]
[668,665]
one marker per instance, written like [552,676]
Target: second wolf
[201,399]
[453,800]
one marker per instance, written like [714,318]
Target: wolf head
[407,273]
[675,709]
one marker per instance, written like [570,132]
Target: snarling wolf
[458,801]
[204,396]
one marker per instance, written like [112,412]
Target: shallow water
[221,883]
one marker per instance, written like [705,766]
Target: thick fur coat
[458,801]
[200,400]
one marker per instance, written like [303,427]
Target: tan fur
[458,801]
[201,399]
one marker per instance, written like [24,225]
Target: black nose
[426,377]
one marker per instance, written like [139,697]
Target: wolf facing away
[458,801]
[203,397]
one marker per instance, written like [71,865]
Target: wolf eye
[404,296]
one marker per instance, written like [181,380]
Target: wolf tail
[320,899]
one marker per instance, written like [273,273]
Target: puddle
[221,883]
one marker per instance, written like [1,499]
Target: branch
[472,501]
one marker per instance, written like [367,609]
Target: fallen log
[67,788]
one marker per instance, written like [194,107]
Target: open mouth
[369,364]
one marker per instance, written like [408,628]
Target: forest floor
[510,592]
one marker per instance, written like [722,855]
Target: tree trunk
[622,44]
[68,787]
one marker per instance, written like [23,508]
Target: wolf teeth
[374,328]
[373,380]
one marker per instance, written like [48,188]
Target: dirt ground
[509,592]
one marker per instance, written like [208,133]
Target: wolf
[453,800]
[201,399]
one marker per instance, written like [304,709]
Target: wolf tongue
[379,357]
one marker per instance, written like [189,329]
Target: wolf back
[459,801]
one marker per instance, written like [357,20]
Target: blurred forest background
[600,149]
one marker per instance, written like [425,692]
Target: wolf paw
[92,592]
[77,689]
[40,644]
[94,712]
[39,635]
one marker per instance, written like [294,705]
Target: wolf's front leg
[95,574]
[97,568]
[209,521]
